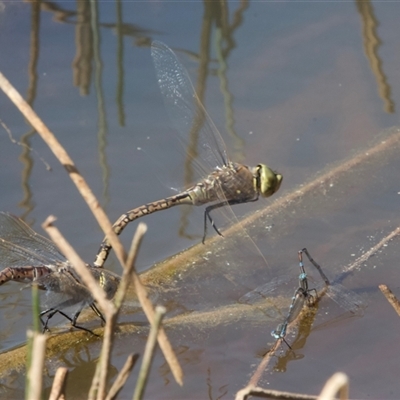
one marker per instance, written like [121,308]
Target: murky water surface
[302,87]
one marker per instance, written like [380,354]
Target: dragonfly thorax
[232,182]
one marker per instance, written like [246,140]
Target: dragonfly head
[267,181]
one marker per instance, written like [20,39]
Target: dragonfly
[225,183]
[348,300]
[27,257]
[301,295]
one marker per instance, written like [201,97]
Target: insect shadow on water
[224,182]
[348,300]
[28,257]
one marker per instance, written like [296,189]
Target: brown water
[310,86]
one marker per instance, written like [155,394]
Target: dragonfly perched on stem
[348,300]
[301,295]
[225,183]
[28,257]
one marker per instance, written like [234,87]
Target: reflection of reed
[82,64]
[213,12]
[371,44]
[238,142]
[98,71]
[25,156]
[120,65]
[191,154]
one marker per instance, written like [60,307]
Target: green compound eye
[269,181]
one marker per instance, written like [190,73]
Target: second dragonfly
[226,182]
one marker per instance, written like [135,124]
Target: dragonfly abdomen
[149,208]
[23,274]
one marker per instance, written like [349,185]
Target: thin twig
[59,382]
[98,293]
[148,354]
[243,394]
[391,298]
[122,376]
[362,259]
[100,379]
[338,383]
[163,341]
[68,164]
[35,373]
[130,265]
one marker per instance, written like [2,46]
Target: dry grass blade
[362,259]
[337,384]
[148,353]
[35,377]
[163,341]
[98,293]
[391,298]
[67,162]
[129,267]
[271,394]
[58,388]
[122,376]
[100,379]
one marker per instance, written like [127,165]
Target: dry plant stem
[338,383]
[105,356]
[68,164]
[265,361]
[362,259]
[122,376]
[391,298]
[100,379]
[130,265]
[98,293]
[163,341]
[58,388]
[148,354]
[255,391]
[35,373]
[141,292]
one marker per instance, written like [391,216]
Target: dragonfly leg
[51,312]
[73,323]
[218,205]
[97,312]
[208,216]
[317,266]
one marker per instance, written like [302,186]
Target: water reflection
[372,43]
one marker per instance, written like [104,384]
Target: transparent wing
[264,291]
[345,298]
[20,244]
[185,109]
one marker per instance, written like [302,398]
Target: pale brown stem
[35,373]
[68,164]
[58,387]
[391,298]
[256,391]
[338,383]
[98,293]
[148,354]
[122,376]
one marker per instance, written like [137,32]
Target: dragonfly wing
[24,240]
[13,255]
[264,291]
[185,109]
[64,290]
[347,299]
